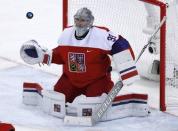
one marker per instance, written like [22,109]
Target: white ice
[45,27]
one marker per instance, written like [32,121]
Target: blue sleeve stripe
[120,45]
[128,69]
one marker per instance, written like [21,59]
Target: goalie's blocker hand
[32,53]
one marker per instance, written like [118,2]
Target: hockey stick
[90,121]
[152,36]
[107,102]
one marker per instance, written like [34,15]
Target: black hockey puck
[29,15]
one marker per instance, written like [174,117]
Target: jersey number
[111,38]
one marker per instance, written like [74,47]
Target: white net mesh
[172,58]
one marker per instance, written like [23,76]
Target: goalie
[84,51]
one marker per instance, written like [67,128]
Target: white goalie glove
[32,53]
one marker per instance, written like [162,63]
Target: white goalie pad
[84,106]
[154,47]
[53,103]
[152,19]
[32,94]
[129,105]
[123,106]
[151,70]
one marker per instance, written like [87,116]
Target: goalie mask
[83,20]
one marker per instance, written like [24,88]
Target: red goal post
[163,8]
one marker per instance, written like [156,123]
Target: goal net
[136,20]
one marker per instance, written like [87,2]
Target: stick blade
[79,121]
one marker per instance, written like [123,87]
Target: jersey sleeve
[56,56]
[124,60]
[57,53]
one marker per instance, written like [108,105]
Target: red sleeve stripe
[132,53]
[46,58]
[128,75]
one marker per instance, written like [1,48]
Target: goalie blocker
[53,103]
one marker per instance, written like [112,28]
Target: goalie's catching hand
[32,53]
